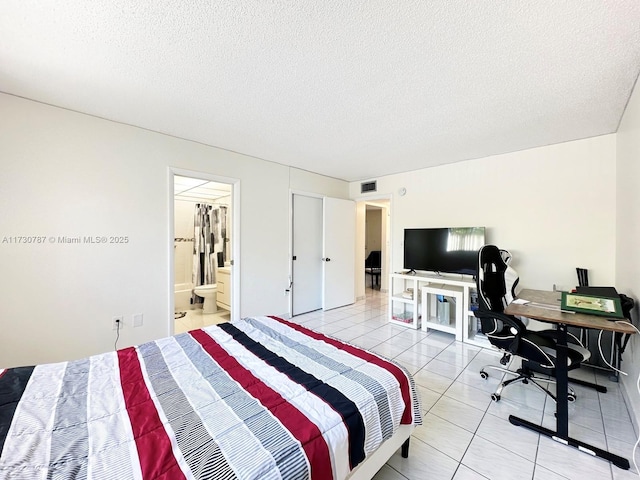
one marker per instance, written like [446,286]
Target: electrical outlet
[137,320]
[118,322]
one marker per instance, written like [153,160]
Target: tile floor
[467,436]
[194,318]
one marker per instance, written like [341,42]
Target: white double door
[323,247]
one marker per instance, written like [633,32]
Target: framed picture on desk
[591,304]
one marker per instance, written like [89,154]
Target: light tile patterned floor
[194,318]
[467,436]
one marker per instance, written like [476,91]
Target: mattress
[258,398]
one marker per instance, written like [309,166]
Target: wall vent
[368,187]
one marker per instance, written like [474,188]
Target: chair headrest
[496,280]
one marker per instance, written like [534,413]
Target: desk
[545,306]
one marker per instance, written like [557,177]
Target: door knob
[326,259]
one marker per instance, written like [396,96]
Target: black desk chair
[373,266]
[509,334]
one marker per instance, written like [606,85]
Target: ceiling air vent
[368,187]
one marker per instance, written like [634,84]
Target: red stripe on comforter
[407,415]
[305,431]
[154,446]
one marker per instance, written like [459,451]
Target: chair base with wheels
[525,374]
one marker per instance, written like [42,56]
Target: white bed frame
[371,466]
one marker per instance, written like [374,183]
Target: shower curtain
[220,227]
[209,244]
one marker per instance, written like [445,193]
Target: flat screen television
[446,250]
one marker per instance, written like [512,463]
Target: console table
[416,310]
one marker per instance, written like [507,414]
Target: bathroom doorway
[204,246]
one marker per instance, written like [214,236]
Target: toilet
[208,292]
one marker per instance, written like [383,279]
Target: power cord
[602,354]
[635,446]
[115,344]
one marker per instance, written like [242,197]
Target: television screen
[450,250]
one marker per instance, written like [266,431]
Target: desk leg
[561,434]
[562,383]
[583,447]
[616,355]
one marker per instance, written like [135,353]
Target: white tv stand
[419,310]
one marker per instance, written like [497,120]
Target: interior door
[306,288]
[339,252]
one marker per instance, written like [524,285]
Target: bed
[258,398]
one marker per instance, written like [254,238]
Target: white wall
[304,181]
[68,174]
[628,236]
[553,207]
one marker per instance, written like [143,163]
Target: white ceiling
[349,89]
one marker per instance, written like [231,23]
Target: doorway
[373,246]
[374,233]
[204,250]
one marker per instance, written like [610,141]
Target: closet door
[338,257]
[306,288]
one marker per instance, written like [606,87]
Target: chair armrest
[510,321]
[515,327]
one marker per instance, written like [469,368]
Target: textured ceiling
[349,89]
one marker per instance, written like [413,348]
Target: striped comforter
[260,398]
